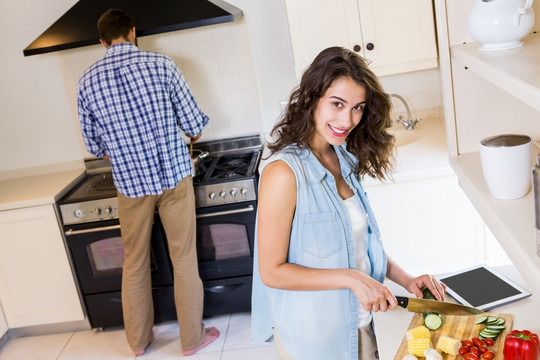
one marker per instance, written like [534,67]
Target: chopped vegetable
[432,354]
[418,332]
[409,357]
[449,345]
[433,321]
[417,347]
[430,321]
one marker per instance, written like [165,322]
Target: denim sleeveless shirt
[317,324]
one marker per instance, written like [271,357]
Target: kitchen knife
[440,307]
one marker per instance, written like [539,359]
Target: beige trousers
[176,209]
[367,345]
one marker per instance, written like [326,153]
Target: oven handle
[227,212]
[87,231]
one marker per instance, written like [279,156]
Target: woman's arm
[415,285]
[276,207]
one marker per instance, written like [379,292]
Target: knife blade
[441,307]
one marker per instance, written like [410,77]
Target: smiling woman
[313,213]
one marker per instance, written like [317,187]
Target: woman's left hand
[417,284]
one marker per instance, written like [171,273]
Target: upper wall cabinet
[395,36]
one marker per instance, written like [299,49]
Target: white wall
[240,85]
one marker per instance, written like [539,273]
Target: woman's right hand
[372,295]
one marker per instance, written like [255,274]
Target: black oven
[97,256]
[226,202]
[225,239]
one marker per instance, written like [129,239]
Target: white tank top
[359,225]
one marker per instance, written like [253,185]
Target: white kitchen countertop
[391,326]
[37,190]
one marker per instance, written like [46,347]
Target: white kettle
[500,24]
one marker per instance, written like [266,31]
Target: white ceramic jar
[500,24]
[506,165]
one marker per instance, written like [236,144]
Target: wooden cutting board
[458,327]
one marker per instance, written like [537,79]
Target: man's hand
[194,138]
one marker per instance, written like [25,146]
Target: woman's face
[338,111]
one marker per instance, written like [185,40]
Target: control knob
[243,191]
[222,194]
[79,213]
[108,210]
[212,196]
[98,211]
[233,193]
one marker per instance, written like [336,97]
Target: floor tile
[259,353]
[96,344]
[111,344]
[239,333]
[46,347]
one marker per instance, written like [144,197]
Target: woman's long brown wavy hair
[369,141]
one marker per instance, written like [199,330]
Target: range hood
[78,26]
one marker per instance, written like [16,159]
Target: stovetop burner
[96,186]
[226,167]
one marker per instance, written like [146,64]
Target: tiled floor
[233,344]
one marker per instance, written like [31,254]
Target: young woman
[319,260]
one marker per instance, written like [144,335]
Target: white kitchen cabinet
[396,36]
[489,93]
[36,282]
[3,324]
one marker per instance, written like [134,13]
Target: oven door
[97,256]
[225,238]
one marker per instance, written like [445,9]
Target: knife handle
[402,301]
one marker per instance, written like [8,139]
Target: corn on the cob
[417,347]
[418,332]
[449,345]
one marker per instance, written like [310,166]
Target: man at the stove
[134,107]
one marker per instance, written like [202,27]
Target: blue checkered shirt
[133,106]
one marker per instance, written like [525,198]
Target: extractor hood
[78,26]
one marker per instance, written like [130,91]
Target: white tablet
[482,287]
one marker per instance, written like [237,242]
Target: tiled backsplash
[217,63]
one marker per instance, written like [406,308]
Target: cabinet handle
[357,48]
[370,46]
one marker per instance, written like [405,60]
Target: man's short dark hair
[114,24]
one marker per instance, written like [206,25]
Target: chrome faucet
[409,123]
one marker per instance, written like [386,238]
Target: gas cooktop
[228,174]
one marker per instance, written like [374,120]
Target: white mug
[506,164]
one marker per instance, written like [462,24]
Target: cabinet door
[315,25]
[401,34]
[36,282]
[395,36]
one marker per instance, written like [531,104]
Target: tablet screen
[482,288]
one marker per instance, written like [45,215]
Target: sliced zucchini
[488,335]
[481,319]
[433,321]
[492,320]
[498,328]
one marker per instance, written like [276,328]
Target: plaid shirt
[133,106]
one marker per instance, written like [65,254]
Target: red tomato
[468,343]
[474,350]
[470,356]
[477,341]
[482,349]
[488,355]
[489,342]
[463,350]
